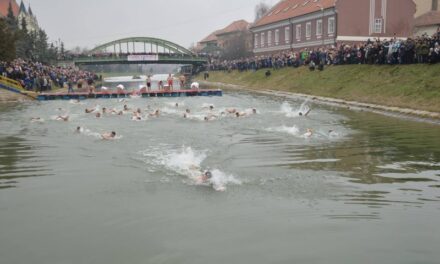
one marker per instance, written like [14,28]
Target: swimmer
[306,114]
[155,114]
[90,110]
[78,130]
[309,133]
[136,116]
[210,117]
[108,136]
[231,110]
[204,178]
[240,114]
[37,119]
[62,118]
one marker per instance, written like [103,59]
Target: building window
[256,41]
[331,25]
[298,32]
[287,35]
[269,38]
[378,25]
[277,37]
[319,28]
[308,30]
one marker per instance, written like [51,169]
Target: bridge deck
[112,95]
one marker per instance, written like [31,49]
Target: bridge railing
[124,58]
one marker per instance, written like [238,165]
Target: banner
[143,57]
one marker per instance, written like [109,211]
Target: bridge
[140,50]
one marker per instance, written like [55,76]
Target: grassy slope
[409,86]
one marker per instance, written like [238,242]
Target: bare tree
[260,10]
[237,46]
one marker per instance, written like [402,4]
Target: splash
[188,163]
[287,109]
[294,131]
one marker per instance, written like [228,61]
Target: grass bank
[407,86]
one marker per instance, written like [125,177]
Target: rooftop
[4,5]
[240,25]
[286,9]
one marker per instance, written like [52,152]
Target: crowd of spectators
[35,76]
[422,49]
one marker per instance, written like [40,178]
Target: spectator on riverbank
[423,49]
[39,77]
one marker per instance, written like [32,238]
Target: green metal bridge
[140,50]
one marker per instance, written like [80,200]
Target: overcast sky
[87,23]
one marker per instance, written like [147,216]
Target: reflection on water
[18,160]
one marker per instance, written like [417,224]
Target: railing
[14,86]
[124,58]
[11,83]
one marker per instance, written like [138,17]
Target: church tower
[28,16]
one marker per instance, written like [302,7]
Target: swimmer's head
[208,174]
[300,113]
[206,118]
[254,110]
[98,115]
[211,107]
[237,114]
[113,134]
[139,110]
[188,111]
[125,107]
[177,104]
[104,109]
[78,129]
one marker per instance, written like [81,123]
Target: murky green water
[367,192]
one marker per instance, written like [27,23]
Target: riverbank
[413,87]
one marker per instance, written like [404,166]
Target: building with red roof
[219,40]
[299,24]
[429,22]
[4,6]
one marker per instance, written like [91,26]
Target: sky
[88,23]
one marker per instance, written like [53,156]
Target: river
[363,188]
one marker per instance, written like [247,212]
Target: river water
[364,188]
